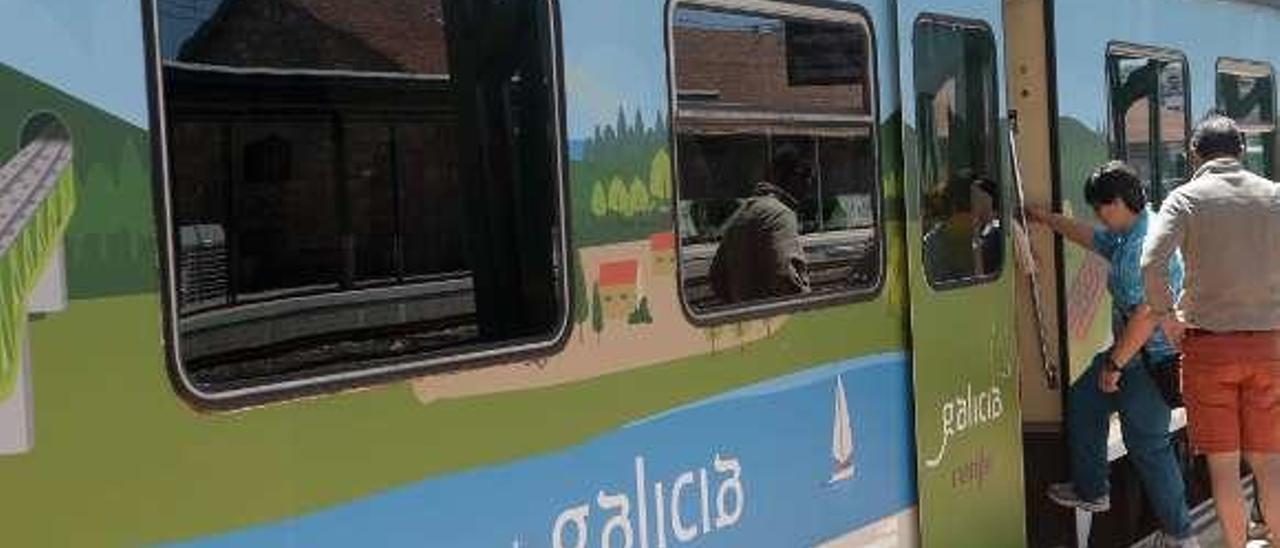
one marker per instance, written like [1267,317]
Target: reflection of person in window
[987,235]
[760,255]
[949,246]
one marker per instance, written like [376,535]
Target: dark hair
[1115,179]
[782,170]
[957,191]
[1217,135]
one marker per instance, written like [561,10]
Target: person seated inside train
[951,248]
[760,255]
[988,236]
[1131,389]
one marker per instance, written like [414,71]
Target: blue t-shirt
[1124,251]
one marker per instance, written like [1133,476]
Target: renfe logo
[966,411]
[619,529]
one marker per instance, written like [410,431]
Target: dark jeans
[1144,422]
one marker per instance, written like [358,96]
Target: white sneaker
[1165,540]
[1065,495]
[1258,531]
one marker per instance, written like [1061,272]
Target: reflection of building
[749,66]
[662,254]
[328,165]
[618,288]
[392,36]
[313,160]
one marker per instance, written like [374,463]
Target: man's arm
[1142,324]
[1164,237]
[1079,232]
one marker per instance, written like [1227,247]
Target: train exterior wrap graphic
[569,273]
[641,426]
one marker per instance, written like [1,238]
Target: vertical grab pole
[1022,247]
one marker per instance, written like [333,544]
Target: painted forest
[621,184]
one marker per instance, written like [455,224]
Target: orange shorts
[1231,386]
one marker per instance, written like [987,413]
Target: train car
[473,273]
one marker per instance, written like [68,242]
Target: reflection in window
[1246,92]
[1149,99]
[775,140]
[318,152]
[956,112]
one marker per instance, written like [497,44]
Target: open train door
[958,191]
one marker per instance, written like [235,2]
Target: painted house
[618,288]
[662,254]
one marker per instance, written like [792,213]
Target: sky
[92,49]
[614,55]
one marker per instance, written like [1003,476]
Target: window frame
[823,11]
[1251,68]
[1132,50]
[984,27]
[380,371]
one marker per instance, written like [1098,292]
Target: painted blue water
[779,432]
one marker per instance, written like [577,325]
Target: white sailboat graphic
[841,438]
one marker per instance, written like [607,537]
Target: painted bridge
[37,197]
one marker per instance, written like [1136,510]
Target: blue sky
[614,55]
[90,48]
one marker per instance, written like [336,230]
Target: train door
[957,186]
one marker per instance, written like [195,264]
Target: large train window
[776,157]
[357,191]
[1149,116]
[1246,92]
[957,109]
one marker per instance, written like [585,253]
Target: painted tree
[641,314]
[622,124]
[713,334]
[597,311]
[639,198]
[660,176]
[599,200]
[619,198]
[580,307]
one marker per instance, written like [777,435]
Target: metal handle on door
[1026,258]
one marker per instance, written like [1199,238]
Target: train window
[1149,116]
[1246,92]
[776,161]
[358,192]
[957,119]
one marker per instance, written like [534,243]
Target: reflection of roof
[662,241]
[618,273]
[400,35]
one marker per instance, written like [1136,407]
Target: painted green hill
[111,247]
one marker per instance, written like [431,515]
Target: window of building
[1246,92]
[357,191]
[776,162]
[1149,116]
[957,119]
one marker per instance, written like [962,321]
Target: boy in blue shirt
[1125,386]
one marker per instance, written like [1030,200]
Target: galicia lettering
[623,518]
[964,412]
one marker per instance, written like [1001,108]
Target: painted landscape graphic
[110,247]
[37,197]
[621,181]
